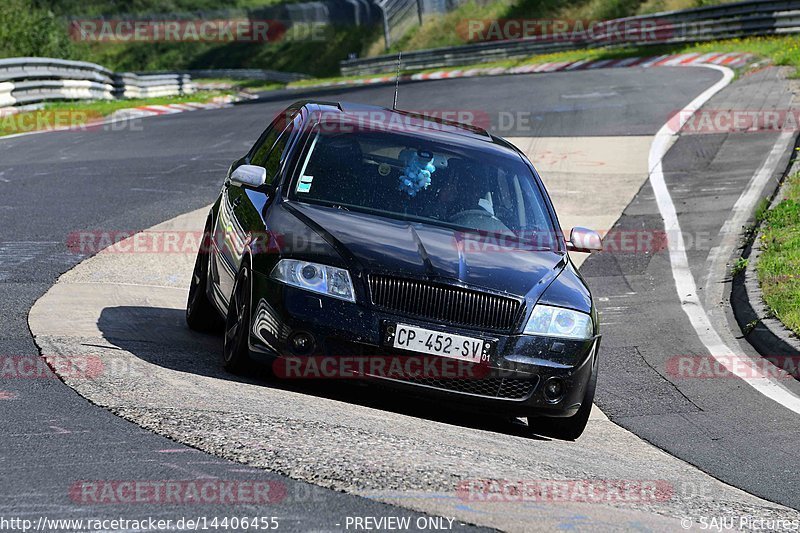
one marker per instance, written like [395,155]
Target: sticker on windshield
[304,185]
[486,203]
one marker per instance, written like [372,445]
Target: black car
[353,231]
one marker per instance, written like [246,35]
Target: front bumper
[511,381]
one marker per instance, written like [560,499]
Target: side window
[261,153]
[273,161]
[271,151]
[263,146]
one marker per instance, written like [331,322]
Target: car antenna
[397,81]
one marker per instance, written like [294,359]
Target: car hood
[410,249]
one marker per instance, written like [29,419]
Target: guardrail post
[387,39]
[725,21]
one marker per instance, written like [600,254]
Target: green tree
[28,30]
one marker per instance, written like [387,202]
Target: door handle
[237,201]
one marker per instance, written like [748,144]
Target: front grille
[499,388]
[488,387]
[446,303]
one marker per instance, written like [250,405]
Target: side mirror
[584,240]
[249,175]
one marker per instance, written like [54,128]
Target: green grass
[779,265]
[106,107]
[449,29]
[783,51]
[295,52]
[40,28]
[739,266]
[253,86]
[89,8]
[78,113]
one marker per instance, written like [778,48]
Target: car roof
[422,123]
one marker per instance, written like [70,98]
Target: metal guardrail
[33,80]
[150,85]
[336,12]
[741,19]
[398,16]
[247,74]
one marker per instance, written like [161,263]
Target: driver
[468,190]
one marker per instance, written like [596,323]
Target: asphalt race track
[158,168]
[721,425]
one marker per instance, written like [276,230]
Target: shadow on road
[160,337]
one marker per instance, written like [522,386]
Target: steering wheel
[467,213]
[477,218]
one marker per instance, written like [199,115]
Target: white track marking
[684,280]
[744,206]
[124,115]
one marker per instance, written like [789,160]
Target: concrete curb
[769,336]
[732,60]
[169,109]
[132,113]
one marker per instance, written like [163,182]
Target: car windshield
[425,180]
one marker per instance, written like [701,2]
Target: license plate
[427,341]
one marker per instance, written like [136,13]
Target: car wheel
[201,315]
[236,350]
[569,428]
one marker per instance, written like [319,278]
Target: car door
[241,208]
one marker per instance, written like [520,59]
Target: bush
[27,30]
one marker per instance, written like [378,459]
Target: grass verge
[316,55]
[450,29]
[75,114]
[783,51]
[232,84]
[778,266]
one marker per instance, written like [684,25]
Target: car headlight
[559,322]
[314,277]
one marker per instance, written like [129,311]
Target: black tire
[236,349]
[568,428]
[201,314]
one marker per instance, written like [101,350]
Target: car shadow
[160,337]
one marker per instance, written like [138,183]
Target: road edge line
[124,115]
[770,336]
[685,284]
